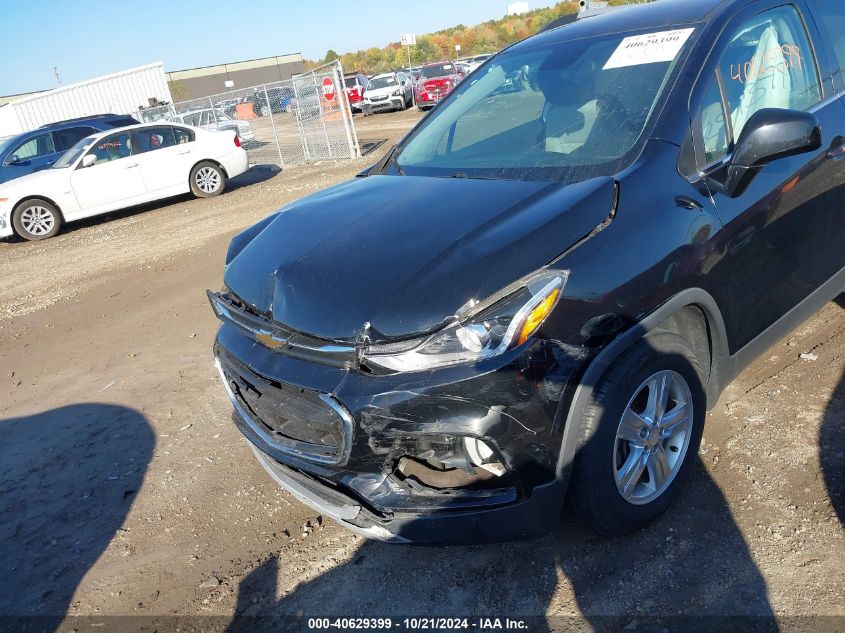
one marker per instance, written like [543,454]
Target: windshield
[565,112]
[73,154]
[438,70]
[382,82]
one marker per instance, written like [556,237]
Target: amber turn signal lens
[536,317]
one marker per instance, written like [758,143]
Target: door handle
[131,166]
[184,151]
[838,152]
[686,202]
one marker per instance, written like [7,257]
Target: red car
[435,82]
[356,84]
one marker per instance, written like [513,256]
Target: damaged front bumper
[387,455]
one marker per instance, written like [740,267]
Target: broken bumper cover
[466,527]
[511,403]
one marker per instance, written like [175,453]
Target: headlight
[395,93]
[487,329]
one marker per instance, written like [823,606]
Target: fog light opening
[481,455]
[430,476]
[450,462]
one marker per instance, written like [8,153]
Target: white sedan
[117,169]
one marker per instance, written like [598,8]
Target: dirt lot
[126,490]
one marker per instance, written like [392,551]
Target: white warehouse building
[124,92]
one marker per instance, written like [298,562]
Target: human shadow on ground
[68,478]
[832,444]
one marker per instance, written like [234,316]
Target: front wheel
[640,435]
[36,220]
[207,180]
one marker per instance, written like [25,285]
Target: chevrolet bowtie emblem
[270,339]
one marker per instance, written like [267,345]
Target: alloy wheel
[652,437]
[207,179]
[37,220]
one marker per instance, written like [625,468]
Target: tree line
[487,37]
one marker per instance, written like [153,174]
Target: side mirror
[770,134]
[88,160]
[13,160]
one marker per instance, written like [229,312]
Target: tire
[608,494]
[36,219]
[207,180]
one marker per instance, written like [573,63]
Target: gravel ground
[126,490]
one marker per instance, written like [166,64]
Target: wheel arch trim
[719,365]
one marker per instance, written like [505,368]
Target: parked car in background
[388,91]
[117,169]
[275,100]
[476,61]
[435,82]
[214,119]
[306,106]
[463,68]
[35,150]
[540,293]
[413,72]
[356,86]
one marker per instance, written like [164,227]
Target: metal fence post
[273,124]
[298,114]
[319,91]
[346,114]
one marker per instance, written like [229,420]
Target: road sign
[409,39]
[328,89]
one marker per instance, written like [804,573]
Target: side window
[192,119]
[41,145]
[768,63]
[152,138]
[830,16]
[67,138]
[182,135]
[111,148]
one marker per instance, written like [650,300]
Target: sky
[88,38]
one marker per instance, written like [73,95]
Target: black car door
[783,235]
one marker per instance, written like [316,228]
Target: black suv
[544,289]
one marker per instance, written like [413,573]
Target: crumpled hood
[404,253]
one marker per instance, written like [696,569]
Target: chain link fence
[301,120]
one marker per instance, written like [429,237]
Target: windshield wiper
[390,159]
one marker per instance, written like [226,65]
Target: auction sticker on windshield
[648,49]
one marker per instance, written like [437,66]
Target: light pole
[409,40]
